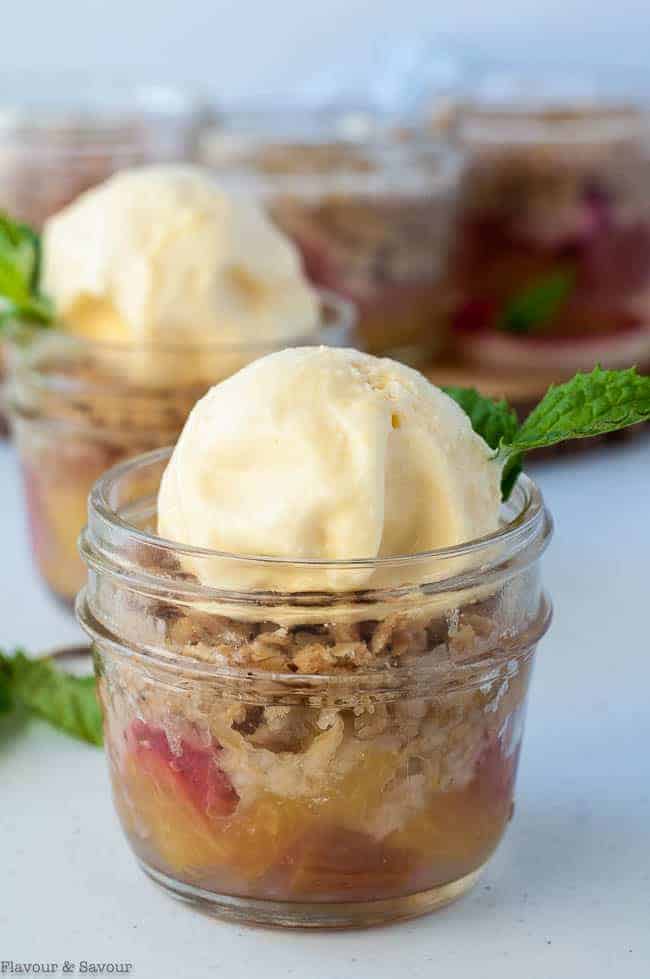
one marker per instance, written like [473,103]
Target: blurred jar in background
[370,205]
[58,137]
[77,406]
[553,257]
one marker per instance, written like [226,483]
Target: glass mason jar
[553,257]
[76,407]
[340,755]
[370,206]
[60,136]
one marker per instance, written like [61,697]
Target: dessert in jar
[370,206]
[314,628]
[162,284]
[553,257]
[61,136]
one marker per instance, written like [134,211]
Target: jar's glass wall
[338,756]
[248,796]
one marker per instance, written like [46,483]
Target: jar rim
[87,113]
[486,127]
[407,155]
[343,319]
[550,104]
[529,520]
[348,123]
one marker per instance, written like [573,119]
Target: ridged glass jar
[343,755]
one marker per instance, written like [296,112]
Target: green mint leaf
[20,269]
[587,405]
[496,422]
[6,702]
[512,469]
[22,248]
[537,303]
[6,699]
[67,702]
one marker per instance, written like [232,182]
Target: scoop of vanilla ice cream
[321,453]
[161,255]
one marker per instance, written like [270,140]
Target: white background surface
[568,893]
[237,47]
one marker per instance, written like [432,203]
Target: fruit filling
[371,833]
[190,769]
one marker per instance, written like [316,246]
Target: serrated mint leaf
[587,405]
[6,700]
[65,701]
[20,265]
[537,303]
[21,248]
[496,422]
[512,469]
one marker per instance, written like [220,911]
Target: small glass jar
[370,205]
[60,136]
[553,253]
[335,756]
[77,407]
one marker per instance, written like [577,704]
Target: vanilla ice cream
[162,256]
[330,454]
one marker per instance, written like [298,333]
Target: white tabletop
[568,893]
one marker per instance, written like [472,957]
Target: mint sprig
[537,303]
[587,405]
[39,687]
[20,274]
